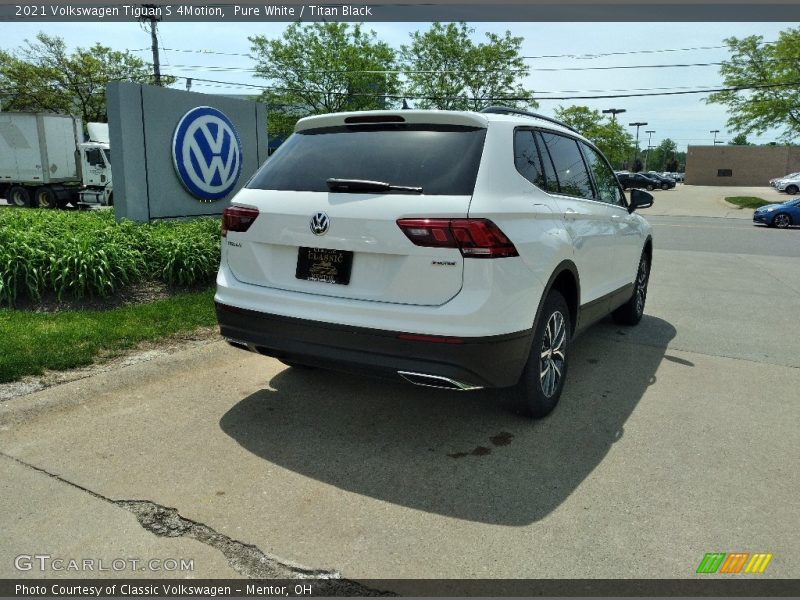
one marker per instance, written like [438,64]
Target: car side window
[547,162]
[573,178]
[607,187]
[527,159]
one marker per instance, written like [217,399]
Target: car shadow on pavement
[457,454]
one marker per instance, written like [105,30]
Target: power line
[536,57]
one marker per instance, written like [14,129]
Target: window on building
[724,173]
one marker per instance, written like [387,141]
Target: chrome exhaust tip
[238,344]
[437,381]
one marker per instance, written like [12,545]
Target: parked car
[790,185]
[637,180]
[457,250]
[779,215]
[677,177]
[774,182]
[667,183]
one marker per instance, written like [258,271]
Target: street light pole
[715,132]
[637,125]
[649,133]
[613,112]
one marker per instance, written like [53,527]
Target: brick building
[739,165]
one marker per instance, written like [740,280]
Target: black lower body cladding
[494,361]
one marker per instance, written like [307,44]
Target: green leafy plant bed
[35,341]
[746,201]
[81,255]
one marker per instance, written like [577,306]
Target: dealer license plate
[324,264]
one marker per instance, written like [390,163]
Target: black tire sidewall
[531,398]
[16,190]
[51,200]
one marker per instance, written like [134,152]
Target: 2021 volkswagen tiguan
[450,249]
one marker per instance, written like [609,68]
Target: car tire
[792,189]
[781,221]
[542,381]
[632,311]
[664,186]
[44,197]
[650,187]
[19,196]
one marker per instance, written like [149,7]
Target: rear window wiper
[364,186]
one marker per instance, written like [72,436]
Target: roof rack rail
[505,110]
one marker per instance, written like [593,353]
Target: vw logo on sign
[207,153]
[319,223]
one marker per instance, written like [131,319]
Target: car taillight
[475,238]
[237,218]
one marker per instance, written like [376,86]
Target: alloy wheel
[641,286]
[782,221]
[551,362]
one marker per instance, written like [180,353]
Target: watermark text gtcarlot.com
[46,563]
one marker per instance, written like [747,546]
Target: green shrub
[88,254]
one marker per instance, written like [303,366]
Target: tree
[739,140]
[42,76]
[660,157]
[445,69]
[321,68]
[764,78]
[608,135]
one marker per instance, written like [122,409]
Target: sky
[685,119]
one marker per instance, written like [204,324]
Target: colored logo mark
[734,562]
[207,153]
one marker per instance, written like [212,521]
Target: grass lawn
[32,342]
[747,201]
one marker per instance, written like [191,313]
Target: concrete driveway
[673,439]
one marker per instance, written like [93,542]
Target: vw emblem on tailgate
[207,153]
[319,223]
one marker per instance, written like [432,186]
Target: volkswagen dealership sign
[207,153]
[180,154]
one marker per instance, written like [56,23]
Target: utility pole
[637,125]
[613,112]
[649,133]
[151,11]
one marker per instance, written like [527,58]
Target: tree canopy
[664,156]
[42,76]
[321,68]
[609,136]
[764,79]
[739,140]
[446,70]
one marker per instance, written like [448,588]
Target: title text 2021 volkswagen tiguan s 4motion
[451,249]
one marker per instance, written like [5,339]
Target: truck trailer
[45,163]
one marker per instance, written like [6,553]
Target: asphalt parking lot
[672,439]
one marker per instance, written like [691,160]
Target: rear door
[588,221]
[336,242]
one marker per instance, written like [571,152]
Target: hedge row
[90,254]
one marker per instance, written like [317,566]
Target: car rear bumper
[494,361]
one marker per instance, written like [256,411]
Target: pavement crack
[246,559]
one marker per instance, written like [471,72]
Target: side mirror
[640,199]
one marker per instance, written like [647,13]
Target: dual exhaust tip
[437,381]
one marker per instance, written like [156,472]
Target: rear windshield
[440,159]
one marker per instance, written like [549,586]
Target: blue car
[779,215]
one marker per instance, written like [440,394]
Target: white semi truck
[45,163]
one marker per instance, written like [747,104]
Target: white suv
[458,250]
